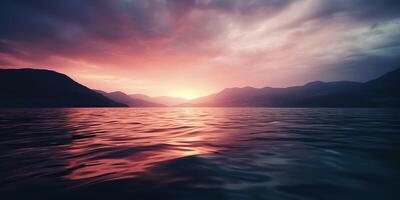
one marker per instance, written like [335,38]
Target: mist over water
[200,153]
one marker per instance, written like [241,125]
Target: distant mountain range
[128,100]
[140,100]
[164,100]
[381,92]
[45,88]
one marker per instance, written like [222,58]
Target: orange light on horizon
[188,94]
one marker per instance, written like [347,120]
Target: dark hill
[128,100]
[45,88]
[381,92]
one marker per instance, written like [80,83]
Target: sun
[187,94]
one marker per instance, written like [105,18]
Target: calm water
[200,153]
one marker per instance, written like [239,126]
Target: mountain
[126,99]
[45,88]
[165,100]
[380,92]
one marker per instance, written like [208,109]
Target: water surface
[200,153]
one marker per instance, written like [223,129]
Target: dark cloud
[24,20]
[245,7]
[31,30]
[374,9]
[360,68]
[71,22]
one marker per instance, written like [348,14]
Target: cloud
[239,38]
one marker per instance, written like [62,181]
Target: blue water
[200,153]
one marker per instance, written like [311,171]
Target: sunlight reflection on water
[232,153]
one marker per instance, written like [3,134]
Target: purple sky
[191,48]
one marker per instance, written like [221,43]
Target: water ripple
[200,153]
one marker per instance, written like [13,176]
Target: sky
[191,48]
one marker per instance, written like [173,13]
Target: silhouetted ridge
[45,88]
[381,92]
[388,80]
[314,84]
[128,100]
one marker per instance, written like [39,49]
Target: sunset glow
[191,48]
[187,94]
[199,99]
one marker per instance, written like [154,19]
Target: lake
[200,153]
